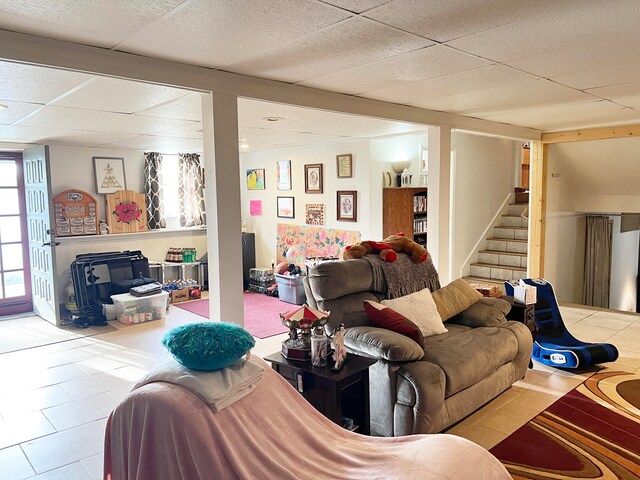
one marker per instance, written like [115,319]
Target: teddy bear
[400,243]
[361,249]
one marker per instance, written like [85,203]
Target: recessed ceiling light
[2,107]
[273,119]
[244,146]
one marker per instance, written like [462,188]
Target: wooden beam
[537,208]
[621,131]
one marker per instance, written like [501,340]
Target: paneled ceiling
[544,64]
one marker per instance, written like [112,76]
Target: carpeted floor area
[261,313]
[593,432]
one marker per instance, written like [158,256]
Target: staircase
[505,253]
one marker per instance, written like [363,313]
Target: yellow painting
[255,179]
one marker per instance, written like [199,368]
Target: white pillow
[420,308]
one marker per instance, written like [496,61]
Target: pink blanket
[163,431]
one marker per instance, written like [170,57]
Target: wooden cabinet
[405,210]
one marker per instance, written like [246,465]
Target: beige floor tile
[73,471]
[532,377]
[100,364]
[102,382]
[25,427]
[33,377]
[14,464]
[609,321]
[589,333]
[82,411]
[94,465]
[560,382]
[63,448]
[482,435]
[539,397]
[21,402]
[507,420]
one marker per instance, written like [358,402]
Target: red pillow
[383,317]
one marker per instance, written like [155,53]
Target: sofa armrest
[382,344]
[486,312]
[525,345]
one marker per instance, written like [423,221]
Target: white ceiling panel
[377,129]
[184,108]
[534,92]
[320,120]
[357,6]
[355,41]
[116,95]
[27,83]
[445,20]
[20,134]
[561,25]
[193,130]
[480,79]
[627,94]
[567,116]
[429,62]
[145,125]
[89,138]
[100,23]
[252,113]
[15,111]
[227,31]
[159,143]
[627,72]
[71,118]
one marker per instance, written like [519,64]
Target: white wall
[624,268]
[483,173]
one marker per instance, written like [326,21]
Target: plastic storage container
[260,279]
[130,309]
[291,289]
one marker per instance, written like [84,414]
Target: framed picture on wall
[255,179]
[347,206]
[313,178]
[286,207]
[109,173]
[284,174]
[314,214]
[344,165]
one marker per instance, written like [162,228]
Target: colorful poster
[294,243]
[255,207]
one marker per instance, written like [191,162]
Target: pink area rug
[261,313]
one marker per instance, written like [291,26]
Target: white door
[41,236]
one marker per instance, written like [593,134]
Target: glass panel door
[15,285]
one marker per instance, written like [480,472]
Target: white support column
[222,200]
[439,209]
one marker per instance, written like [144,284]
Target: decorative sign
[344,165]
[75,213]
[284,175]
[126,212]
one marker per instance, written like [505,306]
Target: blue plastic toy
[553,344]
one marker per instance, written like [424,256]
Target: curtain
[153,191]
[597,262]
[190,190]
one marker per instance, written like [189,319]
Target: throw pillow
[420,308]
[208,345]
[486,312]
[454,298]
[385,317]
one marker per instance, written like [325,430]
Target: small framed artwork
[314,213]
[347,206]
[284,174]
[286,207]
[344,165]
[313,178]
[109,173]
[255,179]
[255,207]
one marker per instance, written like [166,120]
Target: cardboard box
[181,295]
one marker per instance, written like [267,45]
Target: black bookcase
[248,256]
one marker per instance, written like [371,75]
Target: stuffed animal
[368,246]
[400,243]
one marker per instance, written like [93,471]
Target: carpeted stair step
[497,272]
[507,245]
[502,259]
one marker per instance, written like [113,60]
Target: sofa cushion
[468,355]
[420,308]
[331,280]
[454,298]
[385,317]
[486,312]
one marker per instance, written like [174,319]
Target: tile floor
[55,399]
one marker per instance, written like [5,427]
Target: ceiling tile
[16,111]
[627,94]
[253,113]
[442,21]
[21,134]
[159,143]
[480,79]
[90,138]
[83,21]
[146,125]
[357,6]
[355,41]
[229,31]
[628,72]
[559,25]
[71,118]
[429,62]
[379,128]
[27,83]
[116,95]
[184,108]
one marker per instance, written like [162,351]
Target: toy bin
[130,309]
[291,289]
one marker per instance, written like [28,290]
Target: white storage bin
[291,289]
[131,309]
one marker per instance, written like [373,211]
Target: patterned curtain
[153,190]
[190,190]
[597,262]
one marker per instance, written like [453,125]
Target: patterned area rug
[593,432]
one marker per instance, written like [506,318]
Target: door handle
[51,244]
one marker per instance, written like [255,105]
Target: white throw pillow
[420,308]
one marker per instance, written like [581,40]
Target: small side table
[524,314]
[334,394]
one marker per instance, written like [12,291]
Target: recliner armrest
[382,344]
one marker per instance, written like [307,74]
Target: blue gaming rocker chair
[553,344]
